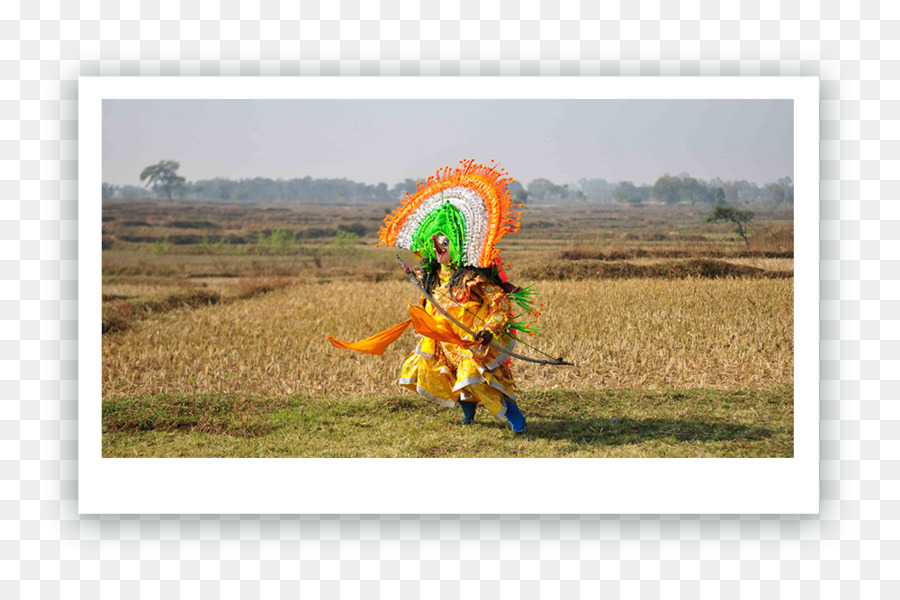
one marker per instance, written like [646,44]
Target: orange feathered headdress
[478,197]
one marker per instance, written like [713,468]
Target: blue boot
[468,407]
[515,417]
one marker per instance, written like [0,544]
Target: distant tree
[627,192]
[597,190]
[645,192]
[561,192]
[723,212]
[380,193]
[401,189]
[544,190]
[788,184]
[541,189]
[130,192]
[108,190]
[667,189]
[163,176]
[748,191]
[731,191]
[693,190]
[720,196]
[776,193]
[517,192]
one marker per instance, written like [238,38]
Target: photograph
[447,278]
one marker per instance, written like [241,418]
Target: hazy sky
[375,141]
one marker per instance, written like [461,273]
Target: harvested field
[721,333]
[215,317]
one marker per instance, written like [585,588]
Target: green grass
[565,423]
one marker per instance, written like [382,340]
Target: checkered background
[850,550]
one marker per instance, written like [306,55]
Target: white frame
[423,485]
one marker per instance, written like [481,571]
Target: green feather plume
[524,299]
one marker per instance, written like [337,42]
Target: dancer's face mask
[442,248]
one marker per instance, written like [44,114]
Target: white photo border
[445,485]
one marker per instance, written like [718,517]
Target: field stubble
[638,333]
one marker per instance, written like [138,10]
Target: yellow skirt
[446,373]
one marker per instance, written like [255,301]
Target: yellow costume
[447,372]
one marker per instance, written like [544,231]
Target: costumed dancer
[467,314]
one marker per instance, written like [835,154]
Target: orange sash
[374,344]
[436,329]
[424,323]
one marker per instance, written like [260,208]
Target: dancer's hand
[484,336]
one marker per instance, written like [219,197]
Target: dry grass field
[215,319]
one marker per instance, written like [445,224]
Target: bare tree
[163,176]
[723,212]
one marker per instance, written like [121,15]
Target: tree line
[163,181]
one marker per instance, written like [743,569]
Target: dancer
[466,316]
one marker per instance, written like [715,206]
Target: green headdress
[447,220]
